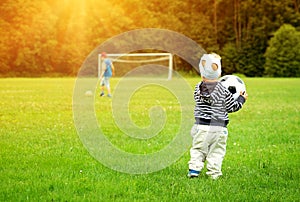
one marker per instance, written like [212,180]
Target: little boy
[209,133]
[107,73]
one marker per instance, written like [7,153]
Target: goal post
[117,57]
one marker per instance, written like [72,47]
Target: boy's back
[213,102]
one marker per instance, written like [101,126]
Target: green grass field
[43,159]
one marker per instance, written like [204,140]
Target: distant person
[106,74]
[209,133]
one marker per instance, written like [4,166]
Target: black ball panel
[232,89]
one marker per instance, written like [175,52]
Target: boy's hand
[244,94]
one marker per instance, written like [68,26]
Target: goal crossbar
[140,61]
[115,58]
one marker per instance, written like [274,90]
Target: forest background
[53,37]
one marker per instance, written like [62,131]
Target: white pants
[209,143]
[105,82]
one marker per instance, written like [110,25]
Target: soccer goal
[137,59]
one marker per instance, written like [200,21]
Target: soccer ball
[234,84]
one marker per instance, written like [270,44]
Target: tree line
[53,37]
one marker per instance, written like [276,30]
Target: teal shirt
[108,71]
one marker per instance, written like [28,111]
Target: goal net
[153,62]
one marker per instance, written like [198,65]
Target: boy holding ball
[209,133]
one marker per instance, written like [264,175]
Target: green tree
[5,56]
[253,24]
[229,59]
[54,36]
[31,35]
[283,53]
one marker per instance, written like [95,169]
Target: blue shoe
[108,95]
[193,173]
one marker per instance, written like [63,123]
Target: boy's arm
[102,73]
[234,105]
[197,91]
[113,69]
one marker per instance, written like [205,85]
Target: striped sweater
[213,103]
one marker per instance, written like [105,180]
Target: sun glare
[78,18]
